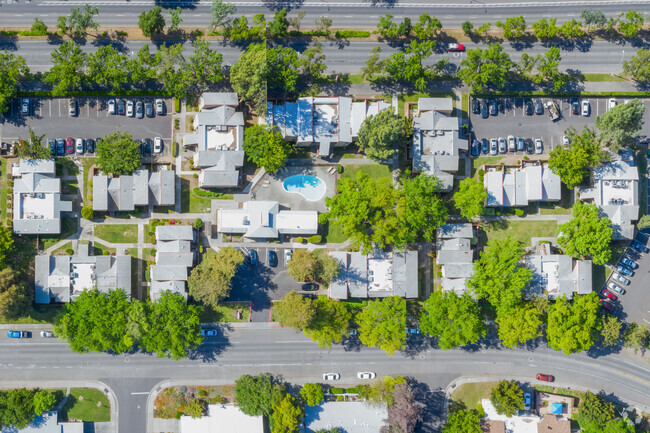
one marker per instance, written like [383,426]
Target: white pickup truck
[553,111]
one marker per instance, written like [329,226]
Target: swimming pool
[310,187]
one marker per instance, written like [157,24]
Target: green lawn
[117,233]
[133,252]
[66,164]
[482,160]
[332,232]
[225,312]
[82,405]
[4,186]
[471,394]
[69,226]
[520,230]
[38,314]
[465,105]
[62,248]
[99,249]
[191,202]
[375,171]
[602,77]
[413,97]
[87,163]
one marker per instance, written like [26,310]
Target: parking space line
[49,101]
[59,101]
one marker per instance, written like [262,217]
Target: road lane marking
[140,393]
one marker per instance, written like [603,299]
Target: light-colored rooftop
[348,416]
[222,419]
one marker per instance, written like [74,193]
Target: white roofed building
[515,186]
[455,255]
[222,419]
[264,219]
[347,416]
[174,259]
[558,274]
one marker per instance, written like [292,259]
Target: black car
[148,109]
[484,110]
[475,146]
[494,107]
[575,106]
[273,259]
[476,107]
[60,146]
[120,107]
[530,146]
[310,287]
[52,143]
[90,145]
[484,146]
[539,107]
[530,109]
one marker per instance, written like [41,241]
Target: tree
[170,63]
[507,397]
[39,28]
[386,27]
[380,390]
[17,408]
[286,415]
[498,276]
[172,328]
[611,331]
[203,68]
[519,325]
[32,148]
[151,21]
[329,323]
[62,25]
[513,27]
[594,412]
[80,21]
[593,17]
[546,28]
[108,67]
[311,393]
[620,126]
[382,323]
[279,26]
[467,27]
[587,234]
[118,153]
[12,71]
[638,67]
[307,266]
[295,21]
[198,224]
[454,320]
[470,198]
[295,311]
[485,68]
[574,164]
[14,296]
[248,76]
[571,29]
[483,29]
[405,412]
[210,281]
[44,400]
[406,64]
[87,212]
[379,133]
[312,67]
[175,19]
[66,72]
[631,22]
[427,27]
[424,211]
[258,395]
[221,14]
[6,244]
[282,65]
[142,68]
[323,26]
[463,421]
[265,147]
[636,337]
[573,325]
[547,69]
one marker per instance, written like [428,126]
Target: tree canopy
[455,320]
[405,412]
[507,397]
[470,198]
[306,265]
[380,390]
[108,67]
[151,21]
[383,324]
[32,147]
[286,415]
[248,77]
[258,395]
[221,14]
[66,73]
[265,147]
[295,311]
[638,66]
[573,165]
[611,331]
[636,337]
[621,125]
[573,325]
[13,69]
[210,281]
[379,133]
[118,153]
[594,413]
[312,393]
[329,323]
[587,235]
[519,325]
[463,421]
[15,298]
[483,68]
[19,407]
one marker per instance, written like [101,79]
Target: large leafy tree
[611,331]
[282,67]
[286,415]
[265,147]
[258,395]
[118,153]
[44,400]
[593,17]
[594,412]
[175,19]
[483,68]
[519,325]
[32,147]
[470,198]
[507,397]
[142,67]
[548,69]
[463,421]
[248,77]
[80,20]
[6,244]
[221,14]
[151,21]
[295,311]
[573,325]
[171,69]
[280,24]
[17,408]
[620,126]
[203,68]
[427,27]
[380,133]
[498,277]
[12,70]
[638,67]
[14,296]
[453,319]
[308,266]
[636,337]
[546,29]
[66,72]
[312,394]
[424,212]
[210,281]
[407,65]
[587,234]
[329,323]
[108,67]
[382,323]
[513,27]
[631,22]
[573,165]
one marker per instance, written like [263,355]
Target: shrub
[198,224]
[195,175]
[105,252]
[344,34]
[525,158]
[351,390]
[316,239]
[519,212]
[336,391]
[152,251]
[174,148]
[8,222]
[339,168]
[69,251]
[340,398]
[177,105]
[481,172]
[299,239]
[439,273]
[202,393]
[90,183]
[203,193]
[87,212]
[198,33]
[177,123]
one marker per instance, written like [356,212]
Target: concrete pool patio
[274,191]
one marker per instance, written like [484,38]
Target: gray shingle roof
[123,193]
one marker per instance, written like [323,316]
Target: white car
[366,375]
[502,145]
[25,106]
[129,108]
[331,376]
[73,107]
[614,287]
[493,146]
[566,141]
[111,106]
[586,108]
[621,279]
[80,146]
[157,145]
[160,107]
[612,103]
[47,334]
[287,256]
[512,146]
[538,146]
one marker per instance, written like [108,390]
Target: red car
[455,47]
[608,294]
[545,377]
[69,145]
[607,305]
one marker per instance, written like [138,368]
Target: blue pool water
[310,187]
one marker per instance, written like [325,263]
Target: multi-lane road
[297,359]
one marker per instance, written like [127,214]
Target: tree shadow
[433,403]
[415,345]
[9,43]
[276,5]
[54,39]
[351,343]
[185,4]
[105,39]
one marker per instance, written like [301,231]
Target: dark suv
[273,259]
[476,107]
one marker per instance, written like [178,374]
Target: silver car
[502,145]
[493,146]
[539,147]
[614,287]
[620,278]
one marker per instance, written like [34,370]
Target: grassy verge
[88,405]
[117,233]
[38,314]
[520,230]
[375,171]
[4,186]
[62,248]
[464,105]
[482,160]
[87,163]
[471,394]
[602,77]
[332,232]
[225,312]
[192,203]
[69,227]
[100,248]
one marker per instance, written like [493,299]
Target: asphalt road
[344,13]
[290,354]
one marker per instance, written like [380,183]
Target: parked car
[412,330]
[25,107]
[528,401]
[129,108]
[73,107]
[530,147]
[530,108]
[366,375]
[566,141]
[148,108]
[493,146]
[69,145]
[353,331]
[160,107]
[607,294]
[484,110]
[539,147]
[607,305]
[253,256]
[502,145]
[111,106]
[47,334]
[475,146]
[521,144]
[147,146]
[494,107]
[209,332]
[287,256]
[620,278]
[485,146]
[612,103]
[60,146]
[539,107]
[331,376]
[617,289]
[553,110]
[90,145]
[273,259]
[575,106]
[639,246]
[309,287]
[545,377]
[139,110]
[120,107]
[512,145]
[455,47]
[52,144]
[629,263]
[17,334]
[586,108]
[157,145]
[80,146]
[476,106]
[625,271]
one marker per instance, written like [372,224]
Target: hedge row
[203,193]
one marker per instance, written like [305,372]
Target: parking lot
[50,116]
[512,120]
